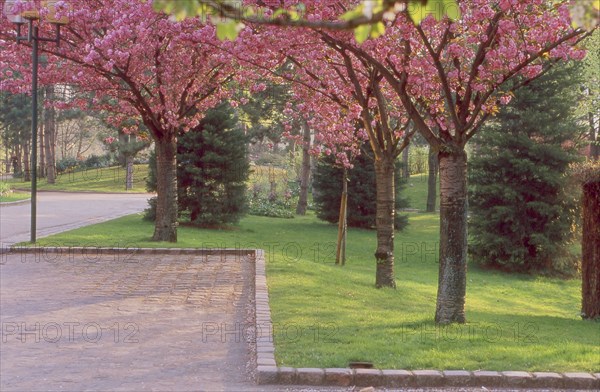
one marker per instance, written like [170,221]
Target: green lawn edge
[15,196]
[100,180]
[327,316]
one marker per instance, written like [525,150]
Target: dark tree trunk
[305,172]
[165,228]
[590,244]
[405,163]
[41,172]
[384,255]
[26,163]
[452,277]
[50,138]
[432,181]
[18,163]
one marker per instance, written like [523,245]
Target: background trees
[15,121]
[361,192]
[523,210]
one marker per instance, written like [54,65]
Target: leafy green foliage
[263,113]
[5,188]
[371,14]
[66,164]
[212,169]
[271,207]
[327,192]
[522,209]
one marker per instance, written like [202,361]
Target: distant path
[61,211]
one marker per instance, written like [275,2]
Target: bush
[95,161]
[66,164]
[150,212]
[271,207]
[5,189]
[361,192]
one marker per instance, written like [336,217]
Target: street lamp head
[51,16]
[11,13]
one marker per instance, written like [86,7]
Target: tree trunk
[432,181]
[405,163]
[50,138]
[26,163]
[590,244]
[18,163]
[305,172]
[384,221]
[452,277]
[129,172]
[165,228]
[41,172]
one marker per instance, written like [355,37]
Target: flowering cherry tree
[347,103]
[451,76]
[135,63]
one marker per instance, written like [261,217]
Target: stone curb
[267,371]
[14,203]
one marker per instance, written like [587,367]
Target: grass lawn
[14,196]
[111,179]
[416,191]
[326,316]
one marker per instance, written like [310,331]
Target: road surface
[59,211]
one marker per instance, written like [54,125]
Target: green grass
[110,179]
[416,191]
[326,316]
[14,196]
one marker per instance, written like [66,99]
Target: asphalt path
[61,211]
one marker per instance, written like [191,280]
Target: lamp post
[33,37]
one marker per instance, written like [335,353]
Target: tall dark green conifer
[361,192]
[212,169]
[522,210]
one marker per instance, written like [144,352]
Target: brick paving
[160,322]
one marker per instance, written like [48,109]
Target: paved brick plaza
[124,322]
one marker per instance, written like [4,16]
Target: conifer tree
[522,209]
[212,171]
